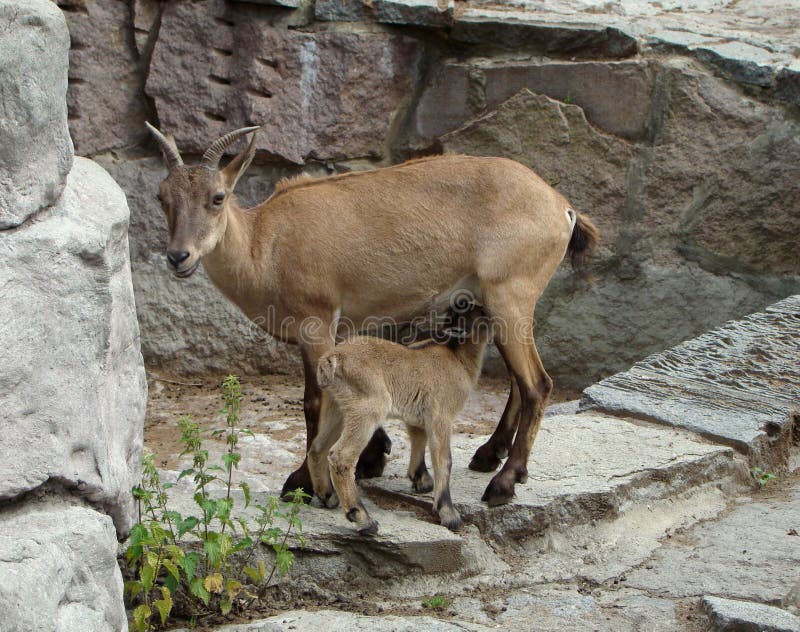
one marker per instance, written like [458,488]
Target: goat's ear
[236,167]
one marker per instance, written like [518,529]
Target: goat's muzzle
[176,258]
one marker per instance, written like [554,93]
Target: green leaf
[171,568]
[225,606]
[186,472]
[133,588]
[271,535]
[224,506]
[231,460]
[139,534]
[133,553]
[141,615]
[164,604]
[174,516]
[212,549]
[189,564]
[198,590]
[284,559]
[244,543]
[247,432]
[253,573]
[175,552]
[233,587]
[148,574]
[171,583]
[186,525]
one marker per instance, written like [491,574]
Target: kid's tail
[584,240]
[326,369]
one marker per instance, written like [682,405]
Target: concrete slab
[304,621]
[739,384]
[730,615]
[404,541]
[752,554]
[583,468]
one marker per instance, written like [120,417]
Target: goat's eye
[218,199]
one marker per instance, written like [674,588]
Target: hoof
[498,492]
[370,528]
[423,484]
[451,519]
[485,459]
[454,524]
[298,479]
[373,458]
[331,501]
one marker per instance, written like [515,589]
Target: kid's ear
[236,167]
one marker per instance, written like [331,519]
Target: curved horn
[214,153]
[171,155]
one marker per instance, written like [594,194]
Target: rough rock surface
[433,13]
[58,570]
[711,385]
[730,615]
[721,167]
[107,108]
[572,479]
[716,558]
[36,152]
[308,91]
[586,334]
[332,619]
[615,96]
[73,382]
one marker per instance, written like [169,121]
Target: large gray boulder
[72,383]
[58,570]
[36,152]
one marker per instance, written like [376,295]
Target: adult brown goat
[332,253]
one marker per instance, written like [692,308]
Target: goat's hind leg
[421,481]
[439,437]
[357,427]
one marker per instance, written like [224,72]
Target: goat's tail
[583,241]
[326,369]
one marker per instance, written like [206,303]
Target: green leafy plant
[762,477]
[204,562]
[437,602]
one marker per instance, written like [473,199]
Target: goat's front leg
[439,437]
[312,405]
[329,431]
[421,480]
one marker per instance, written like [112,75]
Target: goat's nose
[176,257]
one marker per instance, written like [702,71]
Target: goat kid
[371,380]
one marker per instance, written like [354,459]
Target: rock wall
[72,382]
[674,128]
